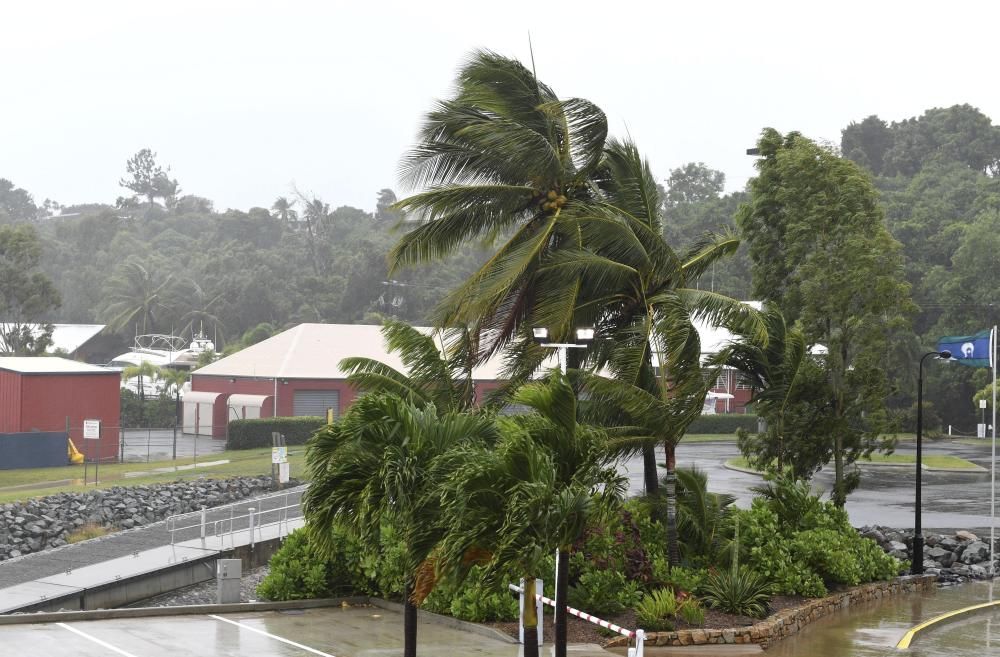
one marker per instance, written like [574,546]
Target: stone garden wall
[787,621]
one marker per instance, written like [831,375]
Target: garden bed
[784,620]
[581,631]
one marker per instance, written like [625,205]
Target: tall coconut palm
[507,161]
[381,464]
[641,294]
[138,296]
[437,373]
[509,506]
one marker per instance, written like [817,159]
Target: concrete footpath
[161,545]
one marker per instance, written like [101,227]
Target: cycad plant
[739,590]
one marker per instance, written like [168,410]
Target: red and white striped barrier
[638,635]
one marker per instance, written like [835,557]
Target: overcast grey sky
[244,99]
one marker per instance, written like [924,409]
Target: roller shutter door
[315,402]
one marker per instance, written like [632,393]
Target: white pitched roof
[68,337]
[49,365]
[314,351]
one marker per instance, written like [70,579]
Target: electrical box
[228,575]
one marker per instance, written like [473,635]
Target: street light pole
[917,563]
[583,337]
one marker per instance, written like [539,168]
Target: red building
[49,394]
[296,372]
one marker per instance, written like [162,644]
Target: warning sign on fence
[91,429]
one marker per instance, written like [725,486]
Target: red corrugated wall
[10,401]
[286,391]
[48,399]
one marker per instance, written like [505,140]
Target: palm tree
[642,418]
[439,375]
[783,378]
[382,464]
[508,161]
[509,505]
[641,295]
[144,370]
[283,210]
[202,309]
[138,295]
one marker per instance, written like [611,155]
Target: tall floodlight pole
[917,565]
[584,336]
[993,453]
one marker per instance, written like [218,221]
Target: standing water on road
[873,629]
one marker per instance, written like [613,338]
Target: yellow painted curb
[912,633]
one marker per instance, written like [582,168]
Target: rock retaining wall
[952,557]
[787,621]
[45,522]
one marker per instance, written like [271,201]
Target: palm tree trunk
[649,473]
[409,622]
[530,619]
[670,480]
[562,590]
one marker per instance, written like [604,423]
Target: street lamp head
[944,355]
[585,334]
[540,334]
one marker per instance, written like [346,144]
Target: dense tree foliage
[822,254]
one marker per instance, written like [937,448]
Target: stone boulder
[975,552]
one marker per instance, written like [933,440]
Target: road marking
[103,644]
[273,636]
[908,638]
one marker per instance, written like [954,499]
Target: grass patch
[709,438]
[85,532]
[47,481]
[931,461]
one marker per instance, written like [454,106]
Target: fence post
[520,621]
[640,639]
[540,609]
[251,509]
[203,518]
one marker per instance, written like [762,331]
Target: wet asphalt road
[951,500]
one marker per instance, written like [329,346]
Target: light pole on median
[917,565]
[584,336]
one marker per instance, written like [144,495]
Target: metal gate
[315,402]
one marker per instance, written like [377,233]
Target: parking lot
[326,632]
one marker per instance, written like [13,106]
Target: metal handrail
[218,526]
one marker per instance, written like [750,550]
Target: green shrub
[248,434]
[604,592]
[474,600]
[723,423]
[656,610]
[156,411]
[297,572]
[803,545]
[692,612]
[738,591]
[679,578]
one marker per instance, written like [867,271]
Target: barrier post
[251,510]
[203,518]
[640,639]
[520,620]
[539,609]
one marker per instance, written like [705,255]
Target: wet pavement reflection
[951,500]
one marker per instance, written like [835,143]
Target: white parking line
[103,644]
[273,636]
